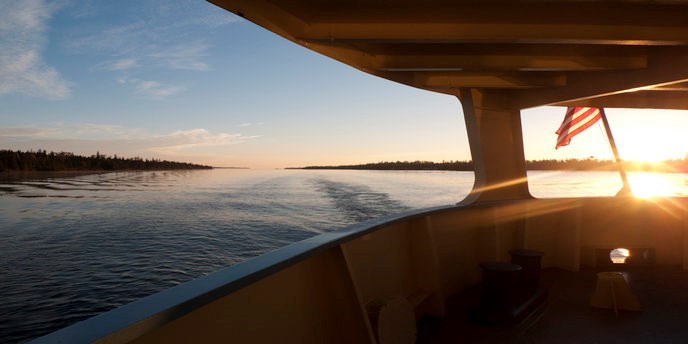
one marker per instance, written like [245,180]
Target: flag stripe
[587,118]
[576,120]
[579,113]
[567,138]
[583,114]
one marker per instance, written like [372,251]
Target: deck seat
[612,291]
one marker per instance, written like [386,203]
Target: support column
[496,140]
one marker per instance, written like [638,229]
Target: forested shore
[25,161]
[679,165]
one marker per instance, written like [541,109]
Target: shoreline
[455,170]
[24,175]
[9,176]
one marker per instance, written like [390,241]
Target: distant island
[679,165]
[40,160]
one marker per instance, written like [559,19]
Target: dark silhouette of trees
[589,164]
[41,160]
[403,165]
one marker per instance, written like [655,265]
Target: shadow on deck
[568,318]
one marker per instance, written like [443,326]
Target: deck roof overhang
[527,53]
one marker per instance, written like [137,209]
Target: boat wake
[358,202]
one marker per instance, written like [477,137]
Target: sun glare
[644,153]
[647,185]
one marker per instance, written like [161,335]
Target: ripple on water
[358,202]
[71,248]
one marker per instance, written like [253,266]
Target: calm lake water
[74,247]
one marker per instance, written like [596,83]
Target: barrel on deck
[529,276]
[499,285]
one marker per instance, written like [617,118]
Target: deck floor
[568,318]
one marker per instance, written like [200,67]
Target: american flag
[577,119]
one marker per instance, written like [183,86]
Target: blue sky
[184,80]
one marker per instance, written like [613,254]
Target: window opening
[619,255]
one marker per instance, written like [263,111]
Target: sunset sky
[184,80]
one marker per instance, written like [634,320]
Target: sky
[187,81]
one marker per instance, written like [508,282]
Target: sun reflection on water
[648,185]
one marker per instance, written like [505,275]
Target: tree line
[679,165]
[41,160]
[401,165]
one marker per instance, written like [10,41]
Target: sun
[650,147]
[643,140]
[644,153]
[647,185]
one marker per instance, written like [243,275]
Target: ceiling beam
[635,13]
[507,62]
[569,50]
[681,86]
[565,22]
[517,33]
[456,80]
[502,49]
[266,14]
[650,99]
[451,82]
[665,67]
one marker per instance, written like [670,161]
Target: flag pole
[626,190]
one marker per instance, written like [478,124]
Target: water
[74,247]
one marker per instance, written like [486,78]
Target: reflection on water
[647,185]
[358,202]
[73,247]
[588,184]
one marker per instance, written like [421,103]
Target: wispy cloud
[183,56]
[150,88]
[22,37]
[185,139]
[80,131]
[121,64]
[249,124]
[19,133]
[157,34]
[115,139]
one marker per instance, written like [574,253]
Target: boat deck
[568,318]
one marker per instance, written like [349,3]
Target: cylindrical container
[529,277]
[499,285]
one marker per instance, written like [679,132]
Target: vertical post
[626,190]
[496,142]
